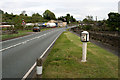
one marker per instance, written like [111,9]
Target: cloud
[78,8]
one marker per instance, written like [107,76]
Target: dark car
[36,29]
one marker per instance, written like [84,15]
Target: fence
[109,37]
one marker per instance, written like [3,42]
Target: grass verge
[20,33]
[64,60]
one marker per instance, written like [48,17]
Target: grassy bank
[64,60]
[20,33]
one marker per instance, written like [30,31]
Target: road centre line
[19,38]
[25,41]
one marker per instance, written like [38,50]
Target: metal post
[39,68]
[84,52]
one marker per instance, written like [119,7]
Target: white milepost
[39,70]
[84,39]
[84,52]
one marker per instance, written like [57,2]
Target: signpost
[84,39]
[23,23]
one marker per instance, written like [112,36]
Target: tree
[36,17]
[85,20]
[1,12]
[49,15]
[26,15]
[62,18]
[68,18]
[114,21]
[88,19]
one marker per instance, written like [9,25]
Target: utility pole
[96,18]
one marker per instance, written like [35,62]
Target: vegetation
[67,18]
[20,33]
[17,19]
[49,15]
[111,24]
[88,19]
[114,21]
[64,60]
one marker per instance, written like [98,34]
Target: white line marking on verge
[30,70]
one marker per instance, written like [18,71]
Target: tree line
[111,24]
[35,18]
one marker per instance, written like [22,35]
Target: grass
[64,60]
[20,33]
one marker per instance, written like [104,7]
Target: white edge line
[25,76]
[29,71]
[50,46]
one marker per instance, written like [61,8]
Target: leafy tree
[49,15]
[1,12]
[36,17]
[62,18]
[114,21]
[88,19]
[26,15]
[85,20]
[67,18]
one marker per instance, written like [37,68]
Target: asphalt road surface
[18,55]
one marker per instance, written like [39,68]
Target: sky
[79,9]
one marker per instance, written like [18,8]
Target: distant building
[52,21]
[119,7]
[29,24]
[58,22]
[6,25]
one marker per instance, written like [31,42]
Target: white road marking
[24,42]
[10,47]
[30,70]
[16,38]
[20,37]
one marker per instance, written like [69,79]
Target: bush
[87,27]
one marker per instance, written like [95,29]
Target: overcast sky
[78,8]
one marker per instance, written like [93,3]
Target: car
[36,29]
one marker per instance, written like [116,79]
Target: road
[18,55]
